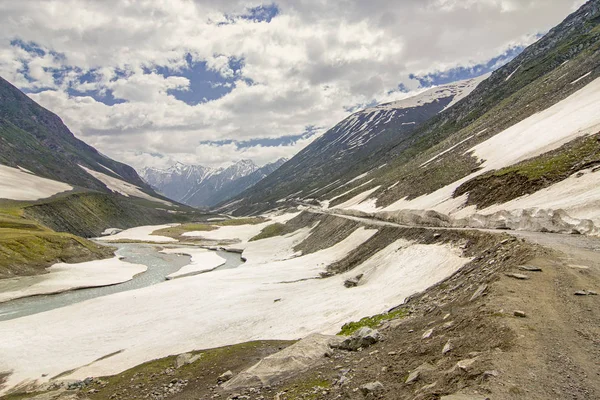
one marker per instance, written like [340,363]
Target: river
[159,266]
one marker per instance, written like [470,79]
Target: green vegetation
[531,175]
[559,164]
[372,322]
[307,389]
[27,248]
[268,231]
[175,232]
[240,221]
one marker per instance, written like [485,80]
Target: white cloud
[306,65]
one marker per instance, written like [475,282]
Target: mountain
[55,179]
[390,163]
[36,139]
[358,139]
[200,186]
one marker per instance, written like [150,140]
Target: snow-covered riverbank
[277,294]
[62,277]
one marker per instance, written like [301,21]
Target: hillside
[440,151]
[199,186]
[354,143]
[53,186]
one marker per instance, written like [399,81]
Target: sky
[153,82]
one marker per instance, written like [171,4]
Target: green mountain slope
[544,74]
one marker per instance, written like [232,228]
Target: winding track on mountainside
[558,346]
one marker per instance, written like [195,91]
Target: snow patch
[20,184]
[141,234]
[124,188]
[62,277]
[216,309]
[202,260]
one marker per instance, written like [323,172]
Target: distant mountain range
[200,186]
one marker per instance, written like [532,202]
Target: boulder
[225,376]
[373,389]
[294,359]
[362,338]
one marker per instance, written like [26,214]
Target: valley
[443,246]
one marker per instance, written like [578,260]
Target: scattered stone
[416,374]
[372,389]
[413,377]
[490,373]
[428,387]
[353,282]
[479,292]
[225,376]
[465,365]
[276,300]
[518,276]
[586,293]
[437,235]
[458,396]
[520,314]
[427,334]
[392,353]
[530,268]
[362,338]
[185,359]
[448,324]
[447,347]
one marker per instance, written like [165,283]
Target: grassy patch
[176,231]
[268,231]
[371,322]
[27,247]
[240,221]
[531,175]
[308,389]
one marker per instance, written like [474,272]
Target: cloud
[151,82]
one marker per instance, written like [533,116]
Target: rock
[466,365]
[290,361]
[353,282]
[416,374]
[520,314]
[185,359]
[413,377]
[530,268]
[479,292]
[591,293]
[427,334]
[448,324]
[362,338]
[225,376]
[372,389]
[490,373]
[392,353]
[458,396]
[437,235]
[581,293]
[518,276]
[447,347]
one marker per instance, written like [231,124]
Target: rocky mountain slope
[199,186]
[357,141]
[507,119]
[36,139]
